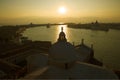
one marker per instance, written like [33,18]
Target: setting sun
[62,10]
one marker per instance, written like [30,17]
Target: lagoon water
[106,44]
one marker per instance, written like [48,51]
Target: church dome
[62,34]
[63,52]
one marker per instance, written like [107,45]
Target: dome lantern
[62,36]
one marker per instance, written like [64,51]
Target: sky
[108,10]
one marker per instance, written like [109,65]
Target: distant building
[96,22]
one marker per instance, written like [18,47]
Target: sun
[62,10]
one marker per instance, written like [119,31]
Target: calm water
[106,44]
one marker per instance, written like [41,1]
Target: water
[106,44]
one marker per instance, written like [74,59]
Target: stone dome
[63,52]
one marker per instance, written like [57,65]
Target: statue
[62,36]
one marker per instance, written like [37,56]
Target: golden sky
[49,8]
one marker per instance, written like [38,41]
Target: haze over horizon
[25,11]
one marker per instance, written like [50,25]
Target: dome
[62,34]
[63,52]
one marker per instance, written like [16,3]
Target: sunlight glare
[62,10]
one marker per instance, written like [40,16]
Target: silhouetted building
[66,61]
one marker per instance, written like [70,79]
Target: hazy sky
[49,8]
